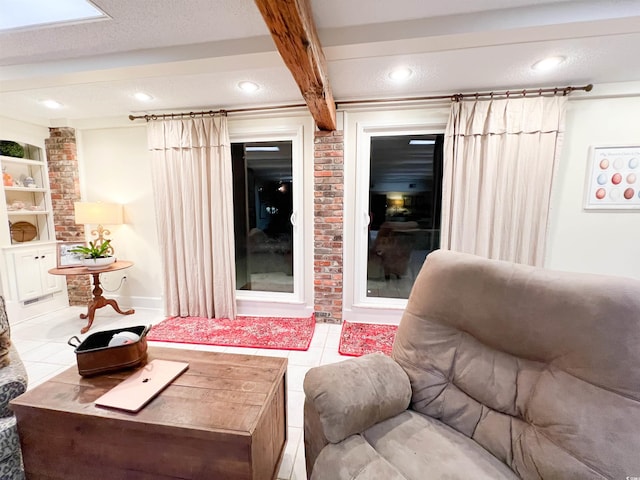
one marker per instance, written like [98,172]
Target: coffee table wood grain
[224,418]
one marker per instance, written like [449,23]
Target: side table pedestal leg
[98,301]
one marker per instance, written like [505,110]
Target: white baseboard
[155,303]
[373,315]
[272,309]
[245,307]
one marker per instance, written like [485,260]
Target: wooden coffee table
[224,418]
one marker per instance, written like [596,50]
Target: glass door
[404,200]
[397,215]
[264,216]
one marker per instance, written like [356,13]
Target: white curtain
[499,162]
[192,181]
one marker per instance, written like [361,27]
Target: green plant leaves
[93,250]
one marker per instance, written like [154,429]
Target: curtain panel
[192,180]
[499,162]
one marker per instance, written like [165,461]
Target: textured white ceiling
[134,25]
[191,54]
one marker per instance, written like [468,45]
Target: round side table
[98,301]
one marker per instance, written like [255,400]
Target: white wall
[22,132]
[586,240]
[115,166]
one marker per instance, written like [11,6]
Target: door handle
[293,219]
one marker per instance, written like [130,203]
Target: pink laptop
[136,391]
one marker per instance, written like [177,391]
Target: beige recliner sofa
[499,371]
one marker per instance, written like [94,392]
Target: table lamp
[101,214]
[396,203]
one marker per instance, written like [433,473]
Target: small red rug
[358,339]
[252,332]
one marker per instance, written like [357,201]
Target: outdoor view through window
[405,196]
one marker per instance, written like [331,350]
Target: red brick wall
[328,225]
[64,181]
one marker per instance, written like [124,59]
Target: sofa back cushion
[541,368]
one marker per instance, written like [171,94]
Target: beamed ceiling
[191,55]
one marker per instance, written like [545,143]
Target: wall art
[613,178]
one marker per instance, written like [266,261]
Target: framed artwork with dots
[613,178]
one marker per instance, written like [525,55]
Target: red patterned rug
[359,339]
[251,332]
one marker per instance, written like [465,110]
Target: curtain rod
[161,116]
[455,97]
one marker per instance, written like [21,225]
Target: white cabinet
[31,273]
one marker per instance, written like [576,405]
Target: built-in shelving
[27,199]
[27,236]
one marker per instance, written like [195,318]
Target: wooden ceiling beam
[294,33]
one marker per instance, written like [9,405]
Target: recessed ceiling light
[143,97]
[548,63]
[265,148]
[400,73]
[51,104]
[248,86]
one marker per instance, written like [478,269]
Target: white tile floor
[42,344]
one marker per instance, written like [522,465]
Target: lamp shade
[98,213]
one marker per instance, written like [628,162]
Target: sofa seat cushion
[353,459]
[409,446]
[423,448]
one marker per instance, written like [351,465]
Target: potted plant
[96,256]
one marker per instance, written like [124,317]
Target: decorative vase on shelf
[97,263]
[7,179]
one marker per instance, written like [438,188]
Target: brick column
[328,225]
[64,181]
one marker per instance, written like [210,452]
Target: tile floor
[42,344]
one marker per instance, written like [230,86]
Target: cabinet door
[28,274]
[50,283]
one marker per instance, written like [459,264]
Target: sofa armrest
[351,396]
[314,439]
[13,381]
